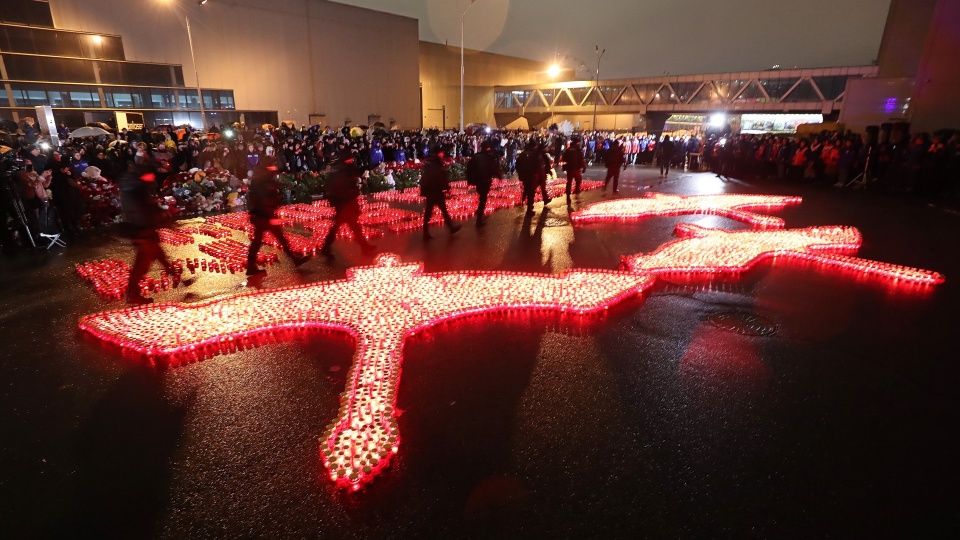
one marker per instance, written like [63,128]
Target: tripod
[860,181]
[12,196]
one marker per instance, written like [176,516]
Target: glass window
[188,99]
[111,48]
[579,94]
[162,99]
[647,92]
[831,86]
[776,88]
[804,92]
[226,100]
[118,98]
[56,98]
[29,95]
[685,90]
[133,73]
[83,97]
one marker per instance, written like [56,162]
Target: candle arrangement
[737,207]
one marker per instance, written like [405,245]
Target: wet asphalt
[647,422]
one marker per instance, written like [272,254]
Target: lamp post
[193,58]
[599,56]
[196,73]
[462,15]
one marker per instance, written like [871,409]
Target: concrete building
[440,83]
[312,61]
[917,81]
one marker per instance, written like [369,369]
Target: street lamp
[462,15]
[595,100]
[196,73]
[203,113]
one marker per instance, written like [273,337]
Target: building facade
[308,61]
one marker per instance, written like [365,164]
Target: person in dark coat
[574,165]
[142,216]
[434,186]
[530,169]
[263,199]
[615,161]
[67,197]
[343,189]
[481,171]
[667,149]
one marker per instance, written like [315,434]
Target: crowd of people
[74,185]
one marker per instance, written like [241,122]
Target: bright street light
[553,71]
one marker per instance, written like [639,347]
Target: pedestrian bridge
[656,98]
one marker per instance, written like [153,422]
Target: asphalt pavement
[829,409]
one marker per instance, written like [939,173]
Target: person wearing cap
[434,185]
[263,199]
[343,190]
[574,165]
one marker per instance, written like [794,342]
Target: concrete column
[655,121]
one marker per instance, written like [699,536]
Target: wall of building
[296,57]
[917,78]
[904,36]
[935,103]
[440,81]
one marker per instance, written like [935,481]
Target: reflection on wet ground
[652,420]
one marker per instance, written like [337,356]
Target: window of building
[29,95]
[118,98]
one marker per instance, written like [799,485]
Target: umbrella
[381,131]
[379,124]
[87,131]
[116,143]
[356,132]
[475,128]
[9,126]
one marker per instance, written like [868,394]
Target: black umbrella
[9,126]
[379,124]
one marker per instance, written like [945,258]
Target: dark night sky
[650,37]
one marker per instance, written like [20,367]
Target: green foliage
[377,182]
[457,171]
[303,186]
[407,178]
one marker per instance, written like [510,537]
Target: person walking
[667,149]
[343,191]
[574,165]
[615,161]
[142,217]
[481,170]
[262,202]
[434,186]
